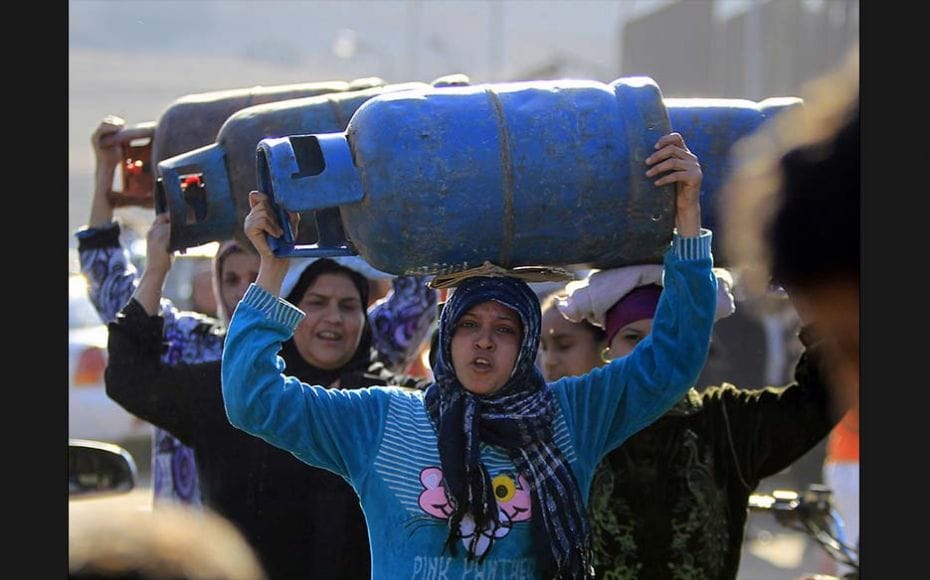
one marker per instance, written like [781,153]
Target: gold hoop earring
[605,354]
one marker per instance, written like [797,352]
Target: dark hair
[814,233]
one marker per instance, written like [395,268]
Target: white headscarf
[298,265]
[591,298]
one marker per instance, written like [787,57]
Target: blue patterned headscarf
[517,418]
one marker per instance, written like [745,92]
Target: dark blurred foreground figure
[174,542]
[793,217]
[793,214]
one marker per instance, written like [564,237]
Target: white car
[91,414]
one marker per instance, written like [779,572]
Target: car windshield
[81,312]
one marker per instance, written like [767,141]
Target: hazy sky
[134,58]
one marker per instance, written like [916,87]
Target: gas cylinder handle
[281,161]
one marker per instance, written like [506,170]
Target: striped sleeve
[273,307]
[692,248]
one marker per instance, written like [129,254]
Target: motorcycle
[812,512]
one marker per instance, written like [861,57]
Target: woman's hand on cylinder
[674,163]
[107,147]
[158,260]
[157,257]
[261,222]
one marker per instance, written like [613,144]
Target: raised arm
[768,429]
[104,263]
[157,264]
[172,397]
[107,143]
[612,402]
[189,336]
[111,276]
[330,428]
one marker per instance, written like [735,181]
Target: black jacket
[304,522]
[671,501]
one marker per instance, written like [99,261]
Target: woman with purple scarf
[670,502]
[488,470]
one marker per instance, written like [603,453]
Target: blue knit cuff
[275,308]
[696,248]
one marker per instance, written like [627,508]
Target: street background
[133,59]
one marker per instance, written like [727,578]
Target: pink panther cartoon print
[513,503]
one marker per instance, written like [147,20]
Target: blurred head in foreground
[120,541]
[792,214]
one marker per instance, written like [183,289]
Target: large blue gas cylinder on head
[224,172]
[443,179]
[710,128]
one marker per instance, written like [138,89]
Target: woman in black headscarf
[302,521]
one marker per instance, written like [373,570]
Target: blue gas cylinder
[206,189]
[710,128]
[525,173]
